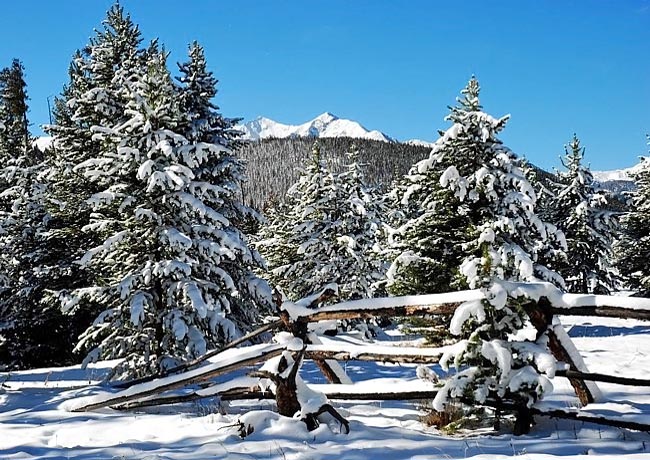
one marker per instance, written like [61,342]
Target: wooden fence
[540,301]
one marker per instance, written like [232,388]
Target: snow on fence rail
[540,300]
[446,303]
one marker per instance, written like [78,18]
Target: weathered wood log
[381,396]
[637,426]
[232,394]
[236,394]
[330,369]
[574,414]
[577,305]
[371,356]
[541,318]
[604,311]
[449,308]
[178,381]
[286,391]
[597,377]
[201,359]
[437,309]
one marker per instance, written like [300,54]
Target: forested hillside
[272,163]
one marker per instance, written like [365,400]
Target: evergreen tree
[431,220]
[92,98]
[475,182]
[222,175]
[177,273]
[633,248]
[358,228]
[290,242]
[32,333]
[326,232]
[579,209]
[15,137]
[197,91]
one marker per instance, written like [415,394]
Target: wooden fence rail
[540,300]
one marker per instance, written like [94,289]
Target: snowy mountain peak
[326,117]
[419,143]
[618,174]
[324,125]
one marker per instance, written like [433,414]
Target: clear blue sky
[557,67]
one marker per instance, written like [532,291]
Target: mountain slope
[625,174]
[324,125]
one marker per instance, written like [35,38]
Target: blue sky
[557,67]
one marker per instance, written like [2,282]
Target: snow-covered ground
[34,423]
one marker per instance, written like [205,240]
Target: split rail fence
[540,301]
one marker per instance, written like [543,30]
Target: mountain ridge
[324,125]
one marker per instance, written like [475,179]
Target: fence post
[542,318]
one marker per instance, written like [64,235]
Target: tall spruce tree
[177,273]
[358,228]
[476,203]
[92,98]
[14,137]
[431,221]
[579,209]
[222,176]
[633,248]
[33,333]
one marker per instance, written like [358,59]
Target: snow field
[35,422]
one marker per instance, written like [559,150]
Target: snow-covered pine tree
[471,176]
[14,137]
[358,228]
[633,248]
[291,239]
[92,97]
[175,269]
[197,91]
[579,209]
[431,220]
[33,334]
[218,178]
[325,232]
